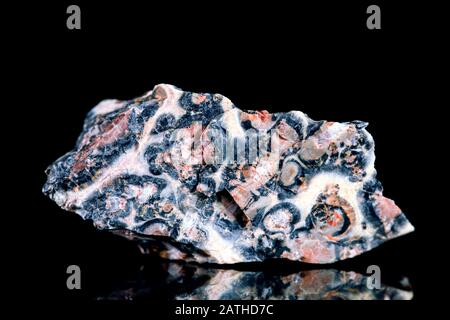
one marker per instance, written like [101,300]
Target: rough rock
[217,184]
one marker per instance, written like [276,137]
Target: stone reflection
[193,282]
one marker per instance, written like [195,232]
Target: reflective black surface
[320,60]
[193,282]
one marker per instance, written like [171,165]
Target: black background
[318,58]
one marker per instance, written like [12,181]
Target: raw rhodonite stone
[217,184]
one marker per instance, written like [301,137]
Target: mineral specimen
[218,184]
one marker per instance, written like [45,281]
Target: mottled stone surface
[218,184]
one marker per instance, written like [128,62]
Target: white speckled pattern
[218,184]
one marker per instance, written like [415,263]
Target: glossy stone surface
[187,282]
[217,184]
